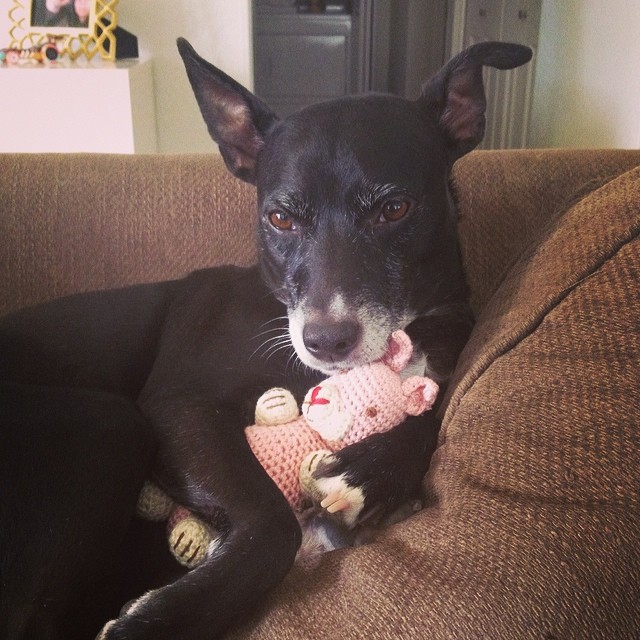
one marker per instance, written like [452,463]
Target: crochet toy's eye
[393,210]
[281,220]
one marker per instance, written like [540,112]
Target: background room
[583,89]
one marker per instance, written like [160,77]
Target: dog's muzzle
[330,340]
[344,337]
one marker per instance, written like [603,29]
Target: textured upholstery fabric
[72,223]
[533,528]
[504,199]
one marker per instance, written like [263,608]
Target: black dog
[357,239]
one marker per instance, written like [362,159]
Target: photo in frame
[82,27]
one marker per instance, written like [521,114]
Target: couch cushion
[505,198]
[534,530]
[71,223]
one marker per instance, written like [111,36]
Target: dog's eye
[394,210]
[282,221]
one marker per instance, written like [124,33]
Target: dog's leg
[257,551]
[71,465]
[357,482]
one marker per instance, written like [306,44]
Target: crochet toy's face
[326,412]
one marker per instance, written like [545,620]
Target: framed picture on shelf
[81,27]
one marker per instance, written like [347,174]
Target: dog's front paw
[340,497]
[332,493]
[122,627]
[368,482]
[104,632]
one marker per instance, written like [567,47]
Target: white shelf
[105,107]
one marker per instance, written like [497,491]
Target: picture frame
[32,24]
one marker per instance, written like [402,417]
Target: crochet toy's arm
[276,406]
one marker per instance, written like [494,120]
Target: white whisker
[264,324]
[279,330]
[273,349]
[272,344]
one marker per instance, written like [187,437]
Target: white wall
[219,30]
[587,89]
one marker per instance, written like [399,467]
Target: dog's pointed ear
[456,92]
[237,120]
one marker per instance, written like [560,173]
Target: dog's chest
[417,366]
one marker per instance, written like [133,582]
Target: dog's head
[356,233]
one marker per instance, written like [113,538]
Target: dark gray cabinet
[301,58]
[390,46]
[352,47]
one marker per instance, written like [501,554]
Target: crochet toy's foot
[190,540]
[153,503]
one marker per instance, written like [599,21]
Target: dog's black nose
[331,341]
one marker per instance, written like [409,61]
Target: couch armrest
[73,223]
[506,198]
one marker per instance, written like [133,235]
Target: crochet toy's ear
[399,350]
[421,393]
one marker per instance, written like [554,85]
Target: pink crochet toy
[341,410]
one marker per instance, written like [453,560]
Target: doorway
[306,51]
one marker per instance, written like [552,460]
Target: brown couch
[533,523]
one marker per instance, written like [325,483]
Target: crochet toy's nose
[331,341]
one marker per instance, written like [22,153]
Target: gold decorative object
[96,38]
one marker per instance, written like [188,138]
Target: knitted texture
[153,503]
[281,449]
[341,410]
[189,537]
